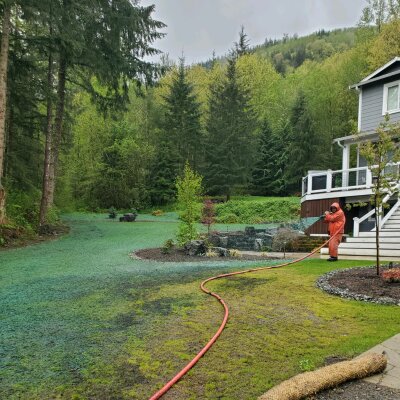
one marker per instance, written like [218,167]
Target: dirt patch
[178,255]
[361,284]
[17,237]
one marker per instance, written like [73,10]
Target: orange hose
[186,369]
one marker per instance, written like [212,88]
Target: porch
[351,182]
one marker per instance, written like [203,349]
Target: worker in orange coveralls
[335,219]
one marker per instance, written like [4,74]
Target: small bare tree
[380,156]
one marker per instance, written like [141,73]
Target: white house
[379,94]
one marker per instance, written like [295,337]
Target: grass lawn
[82,320]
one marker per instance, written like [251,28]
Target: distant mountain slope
[289,53]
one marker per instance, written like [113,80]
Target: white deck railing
[341,180]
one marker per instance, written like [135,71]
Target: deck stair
[363,247]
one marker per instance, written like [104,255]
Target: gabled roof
[374,76]
[379,70]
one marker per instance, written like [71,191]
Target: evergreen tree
[267,174]
[182,120]
[304,145]
[162,176]
[230,127]
[102,40]
[242,45]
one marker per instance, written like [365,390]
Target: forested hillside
[88,124]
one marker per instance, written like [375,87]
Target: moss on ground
[81,320]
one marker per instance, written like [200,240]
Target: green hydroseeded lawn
[80,319]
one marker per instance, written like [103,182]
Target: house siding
[372,103]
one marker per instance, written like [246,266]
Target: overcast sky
[197,27]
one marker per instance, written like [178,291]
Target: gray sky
[197,27]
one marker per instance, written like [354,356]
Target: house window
[391,97]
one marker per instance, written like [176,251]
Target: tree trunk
[53,141]
[58,125]
[48,152]
[5,38]
[377,217]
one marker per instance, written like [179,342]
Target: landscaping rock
[195,248]
[221,251]
[130,217]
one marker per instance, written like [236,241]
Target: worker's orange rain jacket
[335,220]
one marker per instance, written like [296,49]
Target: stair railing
[358,221]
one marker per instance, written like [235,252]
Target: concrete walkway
[286,255]
[391,376]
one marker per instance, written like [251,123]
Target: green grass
[82,320]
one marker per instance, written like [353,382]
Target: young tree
[189,188]
[208,214]
[230,142]
[379,154]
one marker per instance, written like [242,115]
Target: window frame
[386,87]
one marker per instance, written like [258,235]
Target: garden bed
[361,284]
[178,255]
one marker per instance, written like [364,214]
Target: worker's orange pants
[334,244]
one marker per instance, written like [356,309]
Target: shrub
[285,240]
[211,253]
[167,246]
[235,253]
[273,209]
[228,219]
[391,275]
[157,213]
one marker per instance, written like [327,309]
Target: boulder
[195,248]
[221,251]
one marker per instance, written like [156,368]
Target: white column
[329,180]
[345,164]
[309,183]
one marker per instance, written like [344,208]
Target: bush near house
[391,275]
[259,210]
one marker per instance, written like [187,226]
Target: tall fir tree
[162,176]
[230,127]
[182,119]
[100,47]
[181,138]
[267,174]
[304,150]
[242,45]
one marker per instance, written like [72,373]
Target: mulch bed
[366,281]
[178,255]
[361,284]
